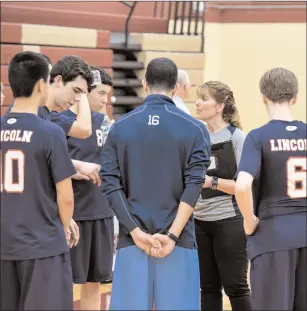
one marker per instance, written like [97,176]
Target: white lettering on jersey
[288,144]
[16,135]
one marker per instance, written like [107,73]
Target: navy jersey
[63,119]
[154,157]
[90,202]
[275,155]
[43,112]
[34,157]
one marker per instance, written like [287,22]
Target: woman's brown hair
[222,94]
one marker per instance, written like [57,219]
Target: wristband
[172,236]
[214,183]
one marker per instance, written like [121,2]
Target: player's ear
[58,81]
[264,100]
[293,100]
[39,86]
[145,86]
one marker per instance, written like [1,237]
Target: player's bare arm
[244,197]
[65,201]
[82,127]
[86,170]
[73,234]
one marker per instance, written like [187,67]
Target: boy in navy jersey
[36,197]
[92,258]
[273,162]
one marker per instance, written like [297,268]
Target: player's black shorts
[37,284]
[278,280]
[92,258]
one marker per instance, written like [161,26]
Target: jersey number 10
[7,176]
[296,177]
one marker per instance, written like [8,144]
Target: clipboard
[223,165]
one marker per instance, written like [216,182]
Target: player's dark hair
[279,85]
[47,59]
[70,67]
[222,94]
[106,79]
[161,74]
[25,70]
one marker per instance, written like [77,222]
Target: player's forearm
[244,198]
[84,119]
[183,215]
[226,185]
[65,201]
[66,208]
[77,164]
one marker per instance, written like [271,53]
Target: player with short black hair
[22,81]
[47,58]
[153,167]
[271,189]
[43,112]
[161,74]
[36,196]
[92,258]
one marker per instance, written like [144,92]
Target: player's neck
[25,105]
[50,104]
[216,125]
[280,112]
[74,109]
[158,92]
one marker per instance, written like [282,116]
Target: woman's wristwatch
[214,183]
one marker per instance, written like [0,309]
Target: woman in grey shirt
[218,222]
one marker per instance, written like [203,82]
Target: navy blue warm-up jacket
[155,157]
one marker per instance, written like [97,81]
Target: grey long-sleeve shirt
[154,157]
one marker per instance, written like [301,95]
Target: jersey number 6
[7,176]
[296,177]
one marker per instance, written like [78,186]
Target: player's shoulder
[50,128]
[257,132]
[129,117]
[97,116]
[301,125]
[63,114]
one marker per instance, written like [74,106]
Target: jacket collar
[158,99]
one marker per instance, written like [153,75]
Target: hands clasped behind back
[157,245]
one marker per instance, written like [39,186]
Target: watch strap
[214,183]
[172,236]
